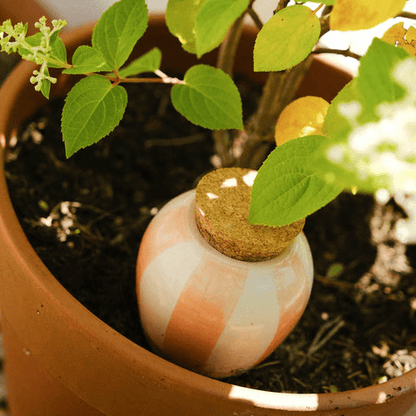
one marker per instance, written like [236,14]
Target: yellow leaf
[302,117]
[411,34]
[395,34]
[399,36]
[363,14]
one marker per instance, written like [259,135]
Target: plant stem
[252,145]
[228,48]
[167,80]
[281,5]
[255,17]
[223,139]
[407,15]
[343,52]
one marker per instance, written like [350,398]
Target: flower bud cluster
[35,48]
[7,32]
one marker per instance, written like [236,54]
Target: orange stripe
[291,313]
[158,238]
[202,313]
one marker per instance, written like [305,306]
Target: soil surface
[85,217]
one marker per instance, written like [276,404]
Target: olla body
[208,312]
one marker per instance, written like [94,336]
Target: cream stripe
[202,312]
[250,328]
[157,280]
[306,256]
[293,286]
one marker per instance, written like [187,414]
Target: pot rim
[20,246]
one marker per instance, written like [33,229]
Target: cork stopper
[222,207]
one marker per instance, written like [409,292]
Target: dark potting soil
[85,217]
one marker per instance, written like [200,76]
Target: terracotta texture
[211,313]
[62,360]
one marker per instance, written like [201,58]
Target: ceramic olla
[207,311]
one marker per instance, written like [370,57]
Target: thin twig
[255,17]
[324,20]
[264,365]
[335,283]
[343,52]
[319,341]
[407,15]
[281,5]
[167,80]
[176,141]
[318,8]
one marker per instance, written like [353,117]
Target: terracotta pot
[61,360]
[22,11]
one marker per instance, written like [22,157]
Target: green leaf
[181,19]
[286,39]
[45,87]
[372,87]
[335,270]
[288,187]
[58,50]
[213,20]
[374,83]
[119,29]
[86,60]
[336,125]
[208,98]
[93,108]
[149,62]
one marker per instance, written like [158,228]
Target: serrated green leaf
[181,20]
[288,187]
[86,60]
[286,39]
[93,108]
[119,29]
[208,98]
[149,62]
[213,20]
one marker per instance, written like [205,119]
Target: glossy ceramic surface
[208,312]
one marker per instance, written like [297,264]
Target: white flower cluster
[386,147]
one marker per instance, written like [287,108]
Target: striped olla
[208,312]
